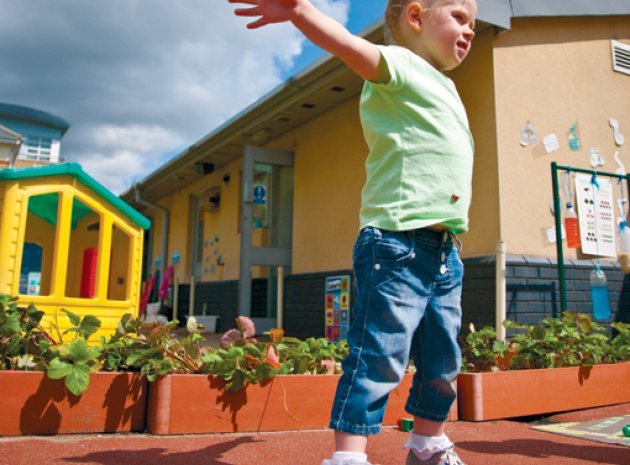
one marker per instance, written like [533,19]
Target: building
[41,134]
[10,145]
[256,215]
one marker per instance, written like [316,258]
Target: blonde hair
[392,15]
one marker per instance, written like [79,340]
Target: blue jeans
[408,303]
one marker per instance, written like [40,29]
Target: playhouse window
[119,267]
[39,242]
[31,272]
[83,256]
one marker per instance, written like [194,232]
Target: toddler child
[407,269]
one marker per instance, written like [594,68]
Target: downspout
[500,290]
[165,217]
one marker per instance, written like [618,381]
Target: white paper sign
[596,215]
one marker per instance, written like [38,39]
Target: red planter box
[516,393]
[184,404]
[33,404]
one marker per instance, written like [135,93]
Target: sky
[141,80]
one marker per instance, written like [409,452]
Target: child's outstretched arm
[362,56]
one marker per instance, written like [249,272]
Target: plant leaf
[79,351]
[73,317]
[58,369]
[78,379]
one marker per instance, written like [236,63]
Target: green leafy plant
[241,359]
[313,355]
[573,340]
[75,360]
[159,352]
[620,345]
[117,349]
[24,344]
[481,350]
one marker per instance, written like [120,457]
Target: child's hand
[268,11]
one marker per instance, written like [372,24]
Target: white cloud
[134,138]
[139,79]
[117,169]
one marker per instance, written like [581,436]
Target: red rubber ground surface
[487,443]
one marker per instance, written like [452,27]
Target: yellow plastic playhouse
[68,242]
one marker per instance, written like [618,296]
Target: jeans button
[442,269]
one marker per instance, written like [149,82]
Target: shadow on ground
[211,455]
[540,448]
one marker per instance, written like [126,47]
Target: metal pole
[557,209]
[500,314]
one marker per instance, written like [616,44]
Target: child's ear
[415,15]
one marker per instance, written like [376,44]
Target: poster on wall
[596,215]
[260,193]
[337,309]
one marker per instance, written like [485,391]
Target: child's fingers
[258,23]
[255,11]
[249,2]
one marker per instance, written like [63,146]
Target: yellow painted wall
[554,72]
[475,82]
[222,223]
[329,174]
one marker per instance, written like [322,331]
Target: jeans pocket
[393,253]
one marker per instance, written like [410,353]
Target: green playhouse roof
[44,210]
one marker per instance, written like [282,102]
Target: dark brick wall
[304,303]
[532,294]
[533,291]
[221,298]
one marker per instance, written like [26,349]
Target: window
[37,148]
[82,277]
[119,265]
[39,242]
[620,56]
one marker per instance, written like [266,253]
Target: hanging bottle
[571,227]
[599,294]
[624,247]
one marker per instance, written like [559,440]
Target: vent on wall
[620,56]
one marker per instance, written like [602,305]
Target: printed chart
[337,307]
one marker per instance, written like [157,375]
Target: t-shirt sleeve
[398,65]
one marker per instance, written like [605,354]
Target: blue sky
[362,14]
[139,81]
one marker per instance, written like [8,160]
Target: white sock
[343,457]
[424,447]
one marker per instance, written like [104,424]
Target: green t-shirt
[419,169]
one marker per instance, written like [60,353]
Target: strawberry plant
[24,343]
[481,350]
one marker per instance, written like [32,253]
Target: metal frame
[557,209]
[265,256]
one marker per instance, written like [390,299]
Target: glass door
[266,227]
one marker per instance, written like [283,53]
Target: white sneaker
[444,457]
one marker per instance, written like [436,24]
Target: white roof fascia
[531,8]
